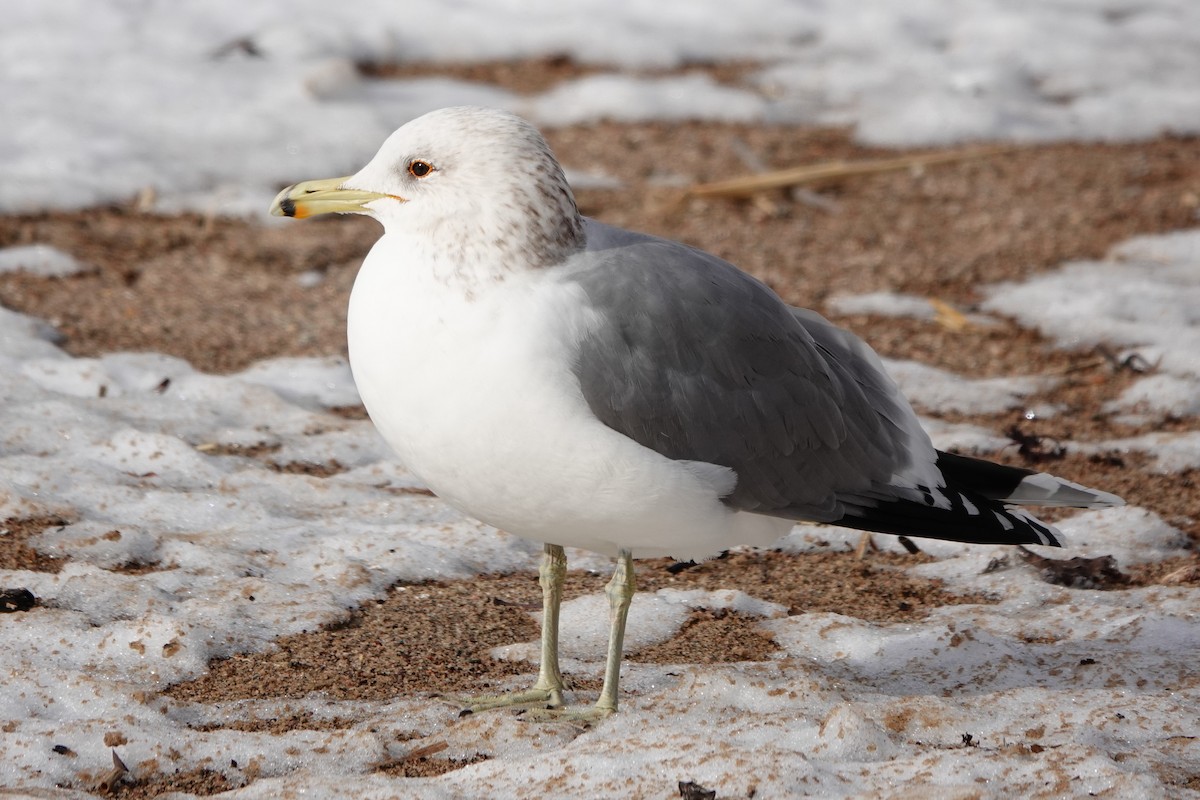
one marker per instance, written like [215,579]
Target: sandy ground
[223,293]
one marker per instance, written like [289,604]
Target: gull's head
[466,180]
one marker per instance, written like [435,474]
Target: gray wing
[695,359]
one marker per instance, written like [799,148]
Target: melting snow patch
[962,437]
[622,98]
[1163,394]
[1172,452]
[883,304]
[1130,534]
[937,390]
[291,101]
[1145,296]
[39,259]
[325,382]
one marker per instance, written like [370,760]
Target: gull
[582,385]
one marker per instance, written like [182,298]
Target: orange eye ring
[419,168]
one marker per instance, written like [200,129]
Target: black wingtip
[968,517]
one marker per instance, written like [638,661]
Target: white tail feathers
[1043,489]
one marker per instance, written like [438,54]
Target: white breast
[476,394]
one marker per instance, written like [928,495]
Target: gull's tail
[973,505]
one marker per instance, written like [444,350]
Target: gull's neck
[485,241]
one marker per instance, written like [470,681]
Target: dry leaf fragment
[108,782]
[948,316]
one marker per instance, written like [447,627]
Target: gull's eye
[419,168]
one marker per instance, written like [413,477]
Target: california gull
[578,384]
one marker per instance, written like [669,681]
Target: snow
[212,106]
[1170,452]
[623,98]
[884,304]
[39,259]
[938,390]
[1162,393]
[1142,300]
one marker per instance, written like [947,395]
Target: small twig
[1188,574]
[427,750]
[1077,367]
[1133,362]
[748,185]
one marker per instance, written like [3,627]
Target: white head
[471,182]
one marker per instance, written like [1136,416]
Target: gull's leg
[549,687]
[620,593]
[550,575]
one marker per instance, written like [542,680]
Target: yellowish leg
[620,594]
[549,687]
[547,691]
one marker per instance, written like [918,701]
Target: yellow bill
[328,196]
